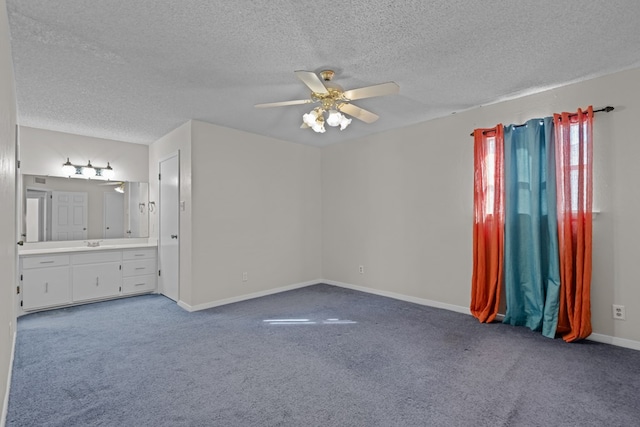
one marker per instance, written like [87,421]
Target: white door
[69,215]
[168,233]
[113,215]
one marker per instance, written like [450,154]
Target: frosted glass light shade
[88,170]
[68,169]
[344,122]
[107,172]
[334,118]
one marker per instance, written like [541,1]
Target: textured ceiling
[135,70]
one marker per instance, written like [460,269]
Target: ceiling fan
[334,100]
[120,185]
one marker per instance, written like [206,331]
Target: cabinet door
[94,281]
[45,287]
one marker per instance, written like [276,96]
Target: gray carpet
[143,361]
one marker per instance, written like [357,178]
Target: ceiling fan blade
[284,103]
[382,89]
[312,81]
[358,113]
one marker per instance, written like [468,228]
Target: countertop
[66,247]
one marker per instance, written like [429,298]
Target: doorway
[113,217]
[168,233]
[36,215]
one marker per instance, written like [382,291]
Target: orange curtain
[574,170]
[488,223]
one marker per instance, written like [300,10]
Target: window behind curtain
[488,223]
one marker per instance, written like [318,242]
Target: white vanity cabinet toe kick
[56,280]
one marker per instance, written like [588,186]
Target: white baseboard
[239,298]
[620,342]
[416,300]
[5,403]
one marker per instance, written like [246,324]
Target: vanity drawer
[44,261]
[136,284]
[96,257]
[139,268]
[141,253]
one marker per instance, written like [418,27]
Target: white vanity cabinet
[45,281]
[78,276]
[96,275]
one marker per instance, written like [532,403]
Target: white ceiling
[135,70]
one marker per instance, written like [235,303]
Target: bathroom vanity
[57,274]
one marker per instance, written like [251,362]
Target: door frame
[175,154]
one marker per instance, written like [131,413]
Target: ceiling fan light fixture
[334,100]
[338,119]
[335,117]
[318,126]
[310,119]
[344,122]
[314,120]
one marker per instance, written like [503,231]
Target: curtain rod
[606,109]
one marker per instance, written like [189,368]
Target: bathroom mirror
[81,209]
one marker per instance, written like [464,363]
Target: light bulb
[68,169]
[319,127]
[309,119]
[334,118]
[107,172]
[344,122]
[88,170]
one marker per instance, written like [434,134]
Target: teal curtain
[531,259]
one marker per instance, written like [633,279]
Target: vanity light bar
[88,170]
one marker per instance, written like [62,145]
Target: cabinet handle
[139,284]
[46,287]
[139,255]
[97,281]
[47,262]
[174,236]
[141,268]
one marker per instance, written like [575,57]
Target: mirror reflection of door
[113,215]
[36,215]
[69,215]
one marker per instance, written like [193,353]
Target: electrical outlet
[361,269]
[245,276]
[619,312]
